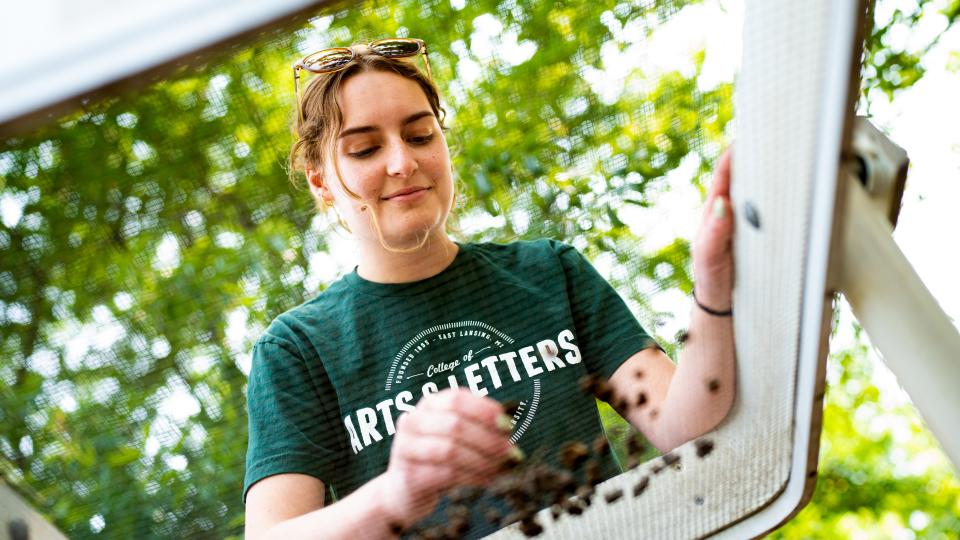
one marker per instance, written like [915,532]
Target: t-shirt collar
[365,286]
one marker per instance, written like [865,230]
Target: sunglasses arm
[296,92]
[426,62]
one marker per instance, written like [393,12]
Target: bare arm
[290,506]
[680,402]
[686,401]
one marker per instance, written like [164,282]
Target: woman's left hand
[713,247]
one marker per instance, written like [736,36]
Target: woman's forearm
[703,387]
[361,515]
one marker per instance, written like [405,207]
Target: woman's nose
[400,160]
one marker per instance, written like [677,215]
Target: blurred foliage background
[148,239]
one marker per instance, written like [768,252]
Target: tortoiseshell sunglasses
[336,58]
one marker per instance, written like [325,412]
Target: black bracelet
[715,313]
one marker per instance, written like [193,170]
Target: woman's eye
[421,139]
[363,153]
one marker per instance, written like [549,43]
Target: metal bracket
[17,529]
[880,166]
[916,339]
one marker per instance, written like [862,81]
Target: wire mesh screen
[148,240]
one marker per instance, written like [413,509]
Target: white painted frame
[17,517]
[60,64]
[837,120]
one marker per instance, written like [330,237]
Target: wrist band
[715,313]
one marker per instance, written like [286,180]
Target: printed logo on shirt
[487,359]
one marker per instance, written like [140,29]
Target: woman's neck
[380,265]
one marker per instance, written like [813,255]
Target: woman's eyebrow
[366,129]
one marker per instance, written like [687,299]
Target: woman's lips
[407,194]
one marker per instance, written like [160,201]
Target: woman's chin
[410,237]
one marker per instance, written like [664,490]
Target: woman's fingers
[472,421]
[721,175]
[478,436]
[720,186]
[452,461]
[450,439]
[713,247]
[465,403]
[717,226]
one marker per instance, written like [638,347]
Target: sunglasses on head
[337,58]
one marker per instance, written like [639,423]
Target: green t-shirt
[523,321]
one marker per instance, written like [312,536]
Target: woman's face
[392,154]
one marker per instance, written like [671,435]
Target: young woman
[370,401]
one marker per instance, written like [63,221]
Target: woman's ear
[318,187]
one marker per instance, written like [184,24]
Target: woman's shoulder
[291,326]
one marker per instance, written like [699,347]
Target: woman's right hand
[452,438]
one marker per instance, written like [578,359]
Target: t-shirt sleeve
[607,332]
[292,429]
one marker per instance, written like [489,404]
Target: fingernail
[719,208]
[504,423]
[513,459]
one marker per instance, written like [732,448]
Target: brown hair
[321,116]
